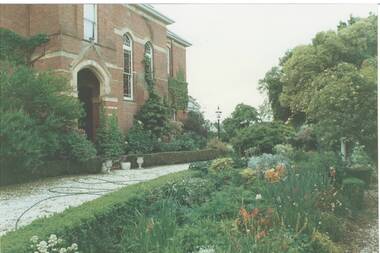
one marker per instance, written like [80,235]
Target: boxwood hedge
[95,225]
[167,158]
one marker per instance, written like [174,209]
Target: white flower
[74,246]
[62,250]
[259,197]
[34,239]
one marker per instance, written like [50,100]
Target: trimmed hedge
[167,158]
[50,169]
[95,225]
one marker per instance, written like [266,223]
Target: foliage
[140,141]
[220,165]
[333,226]
[176,157]
[109,138]
[154,115]
[17,49]
[178,93]
[149,74]
[285,150]
[37,112]
[305,138]
[201,166]
[53,244]
[359,159]
[184,142]
[272,85]
[333,83]
[248,175]
[267,161]
[262,137]
[78,147]
[242,117]
[195,122]
[217,144]
[97,224]
[174,129]
[322,244]
[353,188]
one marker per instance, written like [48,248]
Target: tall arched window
[149,57]
[128,67]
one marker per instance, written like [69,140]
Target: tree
[331,83]
[243,116]
[195,123]
[154,115]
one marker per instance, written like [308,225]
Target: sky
[235,45]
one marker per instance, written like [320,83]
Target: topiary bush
[109,138]
[78,147]
[140,141]
[353,189]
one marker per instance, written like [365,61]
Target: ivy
[178,92]
[18,49]
[148,73]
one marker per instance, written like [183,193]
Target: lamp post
[218,116]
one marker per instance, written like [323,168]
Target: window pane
[127,41]
[127,80]
[89,29]
[127,61]
[89,11]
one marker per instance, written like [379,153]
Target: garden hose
[65,191]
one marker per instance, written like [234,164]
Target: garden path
[57,194]
[364,230]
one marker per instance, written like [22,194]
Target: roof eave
[149,10]
[178,39]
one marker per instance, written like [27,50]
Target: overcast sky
[235,45]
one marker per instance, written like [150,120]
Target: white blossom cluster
[52,245]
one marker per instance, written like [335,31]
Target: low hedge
[167,158]
[49,169]
[95,225]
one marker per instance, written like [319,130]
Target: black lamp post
[218,116]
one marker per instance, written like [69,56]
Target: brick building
[101,50]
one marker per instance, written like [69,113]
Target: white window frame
[94,22]
[168,59]
[151,56]
[130,49]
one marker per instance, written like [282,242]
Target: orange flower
[272,175]
[255,212]
[280,169]
[261,235]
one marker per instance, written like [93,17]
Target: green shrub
[215,143]
[78,147]
[262,137]
[96,225]
[140,141]
[322,244]
[333,226]
[221,164]
[167,158]
[109,138]
[353,189]
[154,115]
[200,166]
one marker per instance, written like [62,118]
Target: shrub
[215,143]
[333,226]
[305,138]
[78,147]
[140,141]
[184,142]
[195,123]
[285,150]
[267,161]
[53,244]
[248,175]
[154,115]
[95,225]
[109,138]
[166,158]
[353,189]
[221,164]
[200,166]
[262,136]
[322,244]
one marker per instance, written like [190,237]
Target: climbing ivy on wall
[178,93]
[148,73]
[18,49]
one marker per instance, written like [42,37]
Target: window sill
[128,99]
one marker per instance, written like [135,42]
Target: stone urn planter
[140,161]
[106,166]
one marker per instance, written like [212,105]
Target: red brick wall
[66,48]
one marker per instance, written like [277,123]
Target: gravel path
[364,235]
[16,199]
